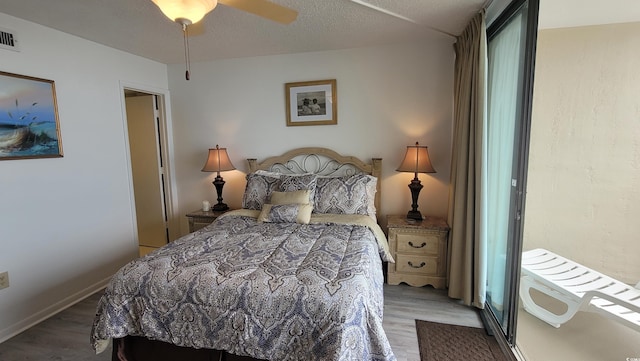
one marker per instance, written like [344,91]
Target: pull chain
[185,33]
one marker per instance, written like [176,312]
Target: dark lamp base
[415,186]
[414,215]
[220,207]
[219,183]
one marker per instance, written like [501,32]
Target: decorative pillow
[294,197]
[258,190]
[286,213]
[289,183]
[346,195]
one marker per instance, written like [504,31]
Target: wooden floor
[404,304]
[65,337]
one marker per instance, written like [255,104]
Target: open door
[148,170]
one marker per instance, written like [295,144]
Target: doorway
[146,130]
[511,51]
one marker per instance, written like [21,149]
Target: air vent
[8,40]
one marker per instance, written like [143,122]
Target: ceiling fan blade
[265,9]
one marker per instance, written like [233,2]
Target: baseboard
[52,310]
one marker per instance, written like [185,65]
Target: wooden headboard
[321,161]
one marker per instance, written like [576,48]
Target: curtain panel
[467,218]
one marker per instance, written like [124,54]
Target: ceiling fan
[187,12]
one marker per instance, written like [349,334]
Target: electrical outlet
[4,280]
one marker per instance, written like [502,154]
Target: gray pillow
[290,183]
[353,194]
[258,190]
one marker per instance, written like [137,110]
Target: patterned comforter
[274,291]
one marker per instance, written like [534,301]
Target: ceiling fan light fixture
[186,12]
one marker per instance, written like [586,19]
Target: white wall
[66,223]
[388,97]
[583,196]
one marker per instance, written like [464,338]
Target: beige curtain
[467,255]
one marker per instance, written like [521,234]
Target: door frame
[508,340]
[165,134]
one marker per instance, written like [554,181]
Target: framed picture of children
[312,103]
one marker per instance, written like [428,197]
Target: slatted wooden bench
[580,288]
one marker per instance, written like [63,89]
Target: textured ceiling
[138,26]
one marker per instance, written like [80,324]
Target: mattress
[273,291]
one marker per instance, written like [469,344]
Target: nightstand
[199,219]
[420,251]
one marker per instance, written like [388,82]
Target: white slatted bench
[580,288]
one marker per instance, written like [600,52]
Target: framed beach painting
[29,125]
[312,102]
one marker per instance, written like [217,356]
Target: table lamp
[218,161]
[415,161]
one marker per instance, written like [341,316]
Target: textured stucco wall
[583,199]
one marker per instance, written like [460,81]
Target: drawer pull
[422,264]
[420,246]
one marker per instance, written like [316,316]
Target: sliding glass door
[511,50]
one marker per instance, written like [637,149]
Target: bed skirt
[134,348]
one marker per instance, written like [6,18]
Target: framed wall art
[29,125]
[312,102]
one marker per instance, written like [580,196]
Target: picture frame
[312,102]
[29,124]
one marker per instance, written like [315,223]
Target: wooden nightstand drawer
[427,266]
[200,219]
[420,251]
[418,242]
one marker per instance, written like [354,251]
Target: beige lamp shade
[218,161]
[416,160]
[190,10]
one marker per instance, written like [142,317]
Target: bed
[296,274]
